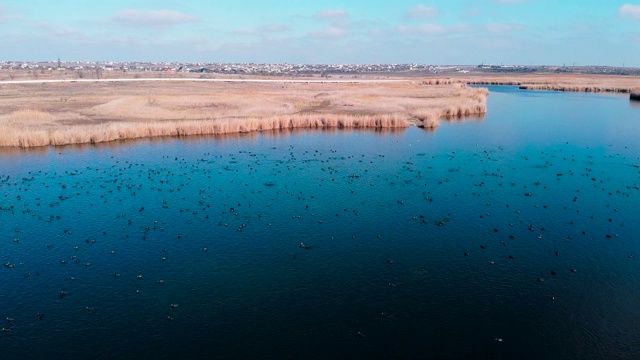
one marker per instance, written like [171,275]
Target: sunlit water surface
[509,237]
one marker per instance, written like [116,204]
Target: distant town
[80,69]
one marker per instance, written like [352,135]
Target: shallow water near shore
[511,236]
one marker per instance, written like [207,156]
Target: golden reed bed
[75,113]
[558,82]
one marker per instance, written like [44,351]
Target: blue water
[420,244]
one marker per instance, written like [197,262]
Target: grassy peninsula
[76,112]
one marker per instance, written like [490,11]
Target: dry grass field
[74,112]
[71,112]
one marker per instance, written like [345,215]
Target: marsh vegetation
[93,112]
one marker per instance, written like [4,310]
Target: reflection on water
[509,237]
[119,145]
[475,117]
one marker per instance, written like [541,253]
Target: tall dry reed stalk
[575,88]
[558,82]
[97,115]
[27,116]
[33,136]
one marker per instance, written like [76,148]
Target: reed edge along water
[61,114]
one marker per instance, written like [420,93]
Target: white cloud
[246,32]
[335,14]
[631,11]
[461,28]
[8,14]
[502,28]
[581,27]
[268,28]
[472,12]
[152,18]
[425,29]
[60,31]
[275,28]
[329,32]
[422,12]
[339,19]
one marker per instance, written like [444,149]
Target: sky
[461,32]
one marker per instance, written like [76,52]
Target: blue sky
[552,32]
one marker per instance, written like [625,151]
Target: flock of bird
[163,202]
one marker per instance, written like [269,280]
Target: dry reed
[93,114]
[26,117]
[575,88]
[558,82]
[79,134]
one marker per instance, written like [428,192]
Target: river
[512,236]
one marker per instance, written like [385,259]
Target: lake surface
[514,236]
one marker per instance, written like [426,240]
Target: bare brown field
[92,112]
